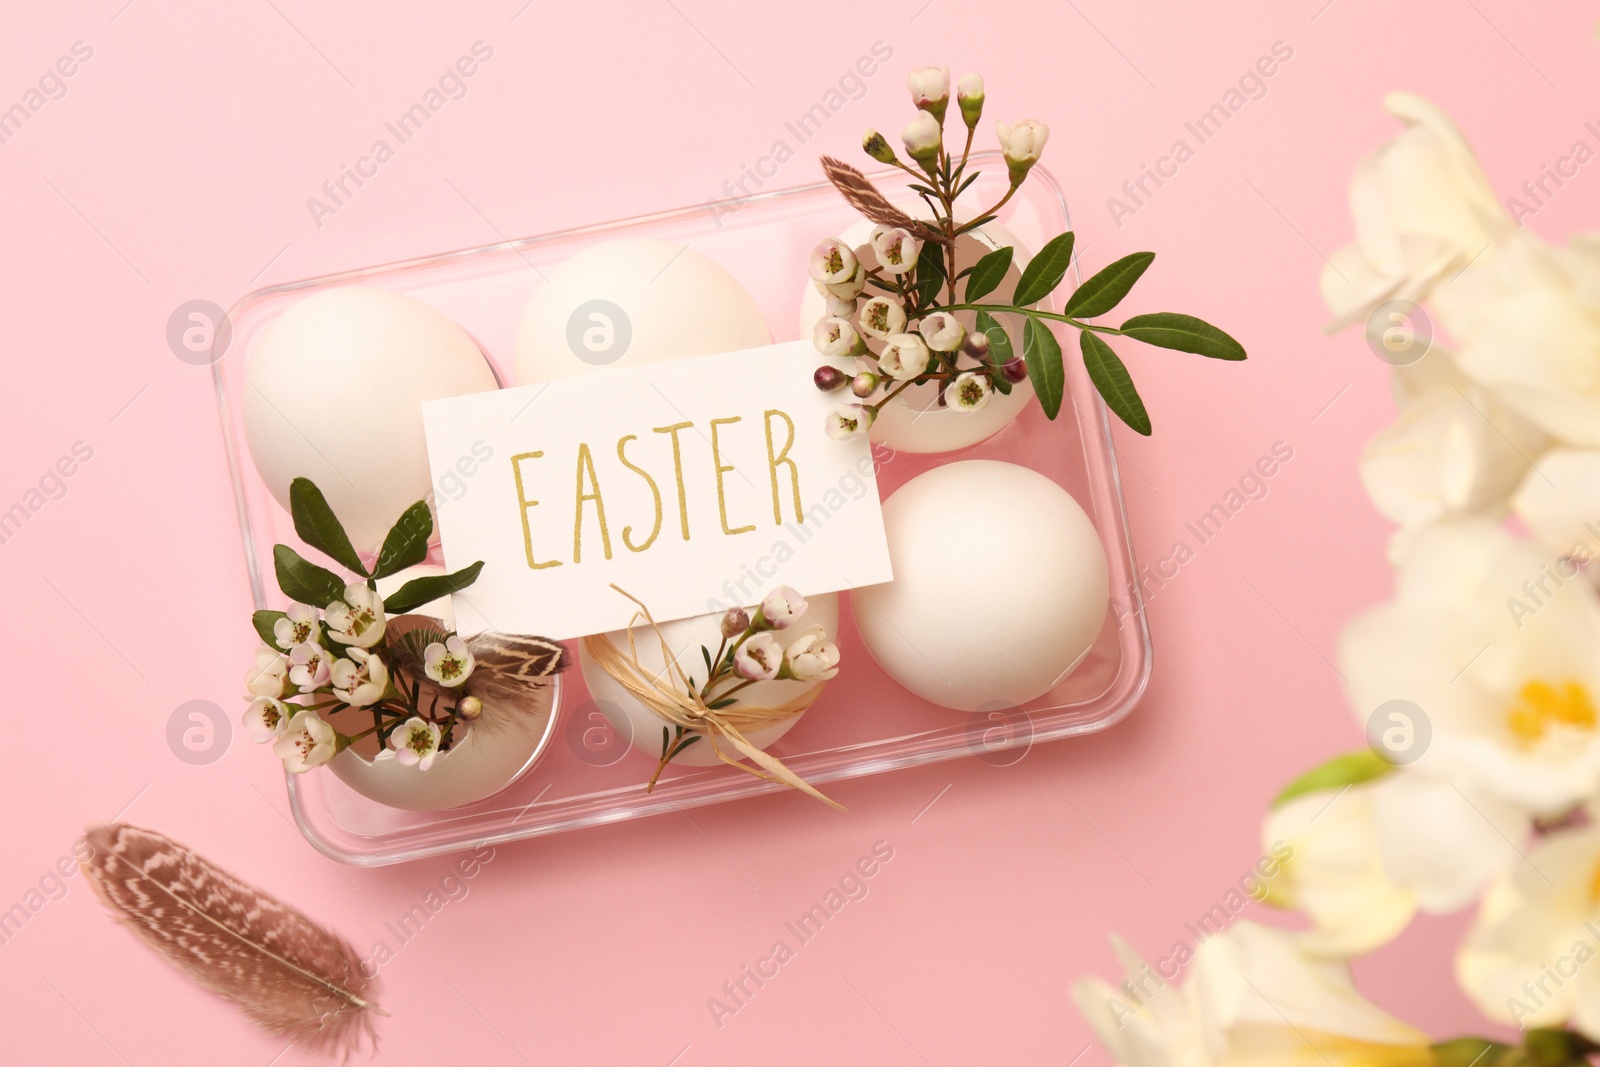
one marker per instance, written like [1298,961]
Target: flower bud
[469,709]
[969,97]
[922,138]
[829,378]
[876,147]
[864,384]
[942,331]
[930,90]
[1015,370]
[1021,144]
[976,346]
[736,621]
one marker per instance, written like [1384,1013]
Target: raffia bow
[675,700]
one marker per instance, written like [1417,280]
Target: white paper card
[696,486]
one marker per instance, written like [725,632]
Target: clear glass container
[864,723]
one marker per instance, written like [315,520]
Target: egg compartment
[864,723]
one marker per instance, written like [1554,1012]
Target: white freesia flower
[758,658]
[268,676]
[358,619]
[267,718]
[1256,999]
[968,392]
[1528,325]
[832,262]
[306,742]
[849,421]
[448,663]
[781,609]
[922,137]
[360,680]
[896,249]
[1503,657]
[880,316]
[904,356]
[811,656]
[1529,960]
[930,89]
[1560,503]
[1423,211]
[297,627]
[942,331]
[416,743]
[310,666]
[1366,858]
[835,337]
[1022,144]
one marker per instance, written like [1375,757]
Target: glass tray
[863,723]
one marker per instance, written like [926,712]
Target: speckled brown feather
[865,198]
[295,978]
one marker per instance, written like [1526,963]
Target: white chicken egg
[631,719]
[631,302]
[1000,586]
[334,392]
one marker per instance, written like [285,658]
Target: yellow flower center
[1541,706]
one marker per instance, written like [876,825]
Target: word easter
[661,480]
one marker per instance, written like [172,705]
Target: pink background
[177,167]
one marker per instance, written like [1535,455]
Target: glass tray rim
[734,787]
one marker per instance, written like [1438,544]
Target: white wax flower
[306,742]
[416,743]
[267,718]
[1559,502]
[880,316]
[1498,649]
[811,656]
[358,619]
[922,137]
[448,663]
[758,658]
[1021,144]
[896,249]
[268,676]
[360,680]
[930,89]
[835,337]
[849,288]
[849,421]
[969,97]
[297,627]
[968,392]
[309,666]
[904,356]
[782,607]
[840,307]
[832,262]
[942,331]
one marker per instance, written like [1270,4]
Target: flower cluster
[891,303]
[1478,684]
[352,655]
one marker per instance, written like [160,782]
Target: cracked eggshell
[996,631]
[334,392]
[631,719]
[630,302]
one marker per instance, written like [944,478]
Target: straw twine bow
[673,697]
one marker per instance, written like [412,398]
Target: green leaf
[1185,333]
[999,348]
[988,273]
[304,581]
[930,272]
[406,544]
[706,652]
[1111,377]
[264,621]
[1042,352]
[1106,289]
[418,591]
[318,527]
[1352,768]
[1044,271]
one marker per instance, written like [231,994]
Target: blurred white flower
[781,609]
[358,619]
[1560,503]
[942,331]
[298,626]
[416,743]
[1256,999]
[448,662]
[849,421]
[922,138]
[881,316]
[360,680]
[832,262]
[268,676]
[896,249]
[968,392]
[266,718]
[1423,211]
[904,356]
[811,656]
[1500,653]
[310,666]
[306,742]
[969,96]
[758,658]
[1529,960]
[930,89]
[840,308]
